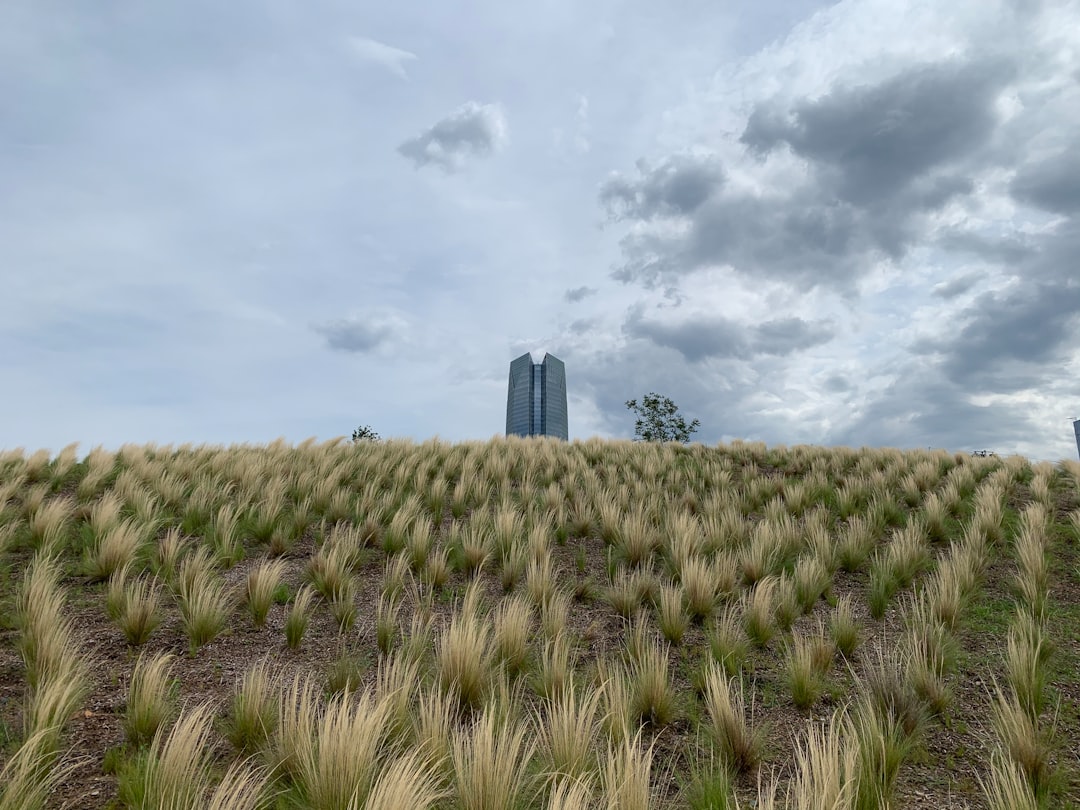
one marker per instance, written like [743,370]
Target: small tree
[364,433]
[658,420]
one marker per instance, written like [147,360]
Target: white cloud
[573,140]
[379,53]
[581,137]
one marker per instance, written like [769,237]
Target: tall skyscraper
[536,398]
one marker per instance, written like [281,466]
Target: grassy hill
[535,624]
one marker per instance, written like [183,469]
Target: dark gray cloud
[1052,184]
[923,408]
[957,286]
[701,337]
[838,384]
[579,293]
[678,186]
[1054,258]
[583,325]
[877,140]
[882,158]
[355,335]
[1000,250]
[472,130]
[694,338]
[1006,341]
[1010,340]
[797,238]
[934,193]
[784,336]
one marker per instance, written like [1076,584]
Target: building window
[537,389]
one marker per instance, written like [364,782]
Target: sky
[850,224]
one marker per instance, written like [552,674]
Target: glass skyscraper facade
[536,398]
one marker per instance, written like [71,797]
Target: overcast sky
[853,224]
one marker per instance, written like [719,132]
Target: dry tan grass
[881,744]
[652,696]
[671,617]
[53,702]
[407,782]
[1019,735]
[242,787]
[490,760]
[253,713]
[1033,568]
[554,667]
[45,641]
[1026,654]
[49,524]
[635,538]
[205,605]
[464,654]
[100,465]
[434,723]
[626,777]
[396,682]
[167,554]
[475,542]
[176,772]
[298,711]
[825,768]
[567,730]
[625,593]
[298,616]
[339,762]
[259,588]
[29,776]
[761,556]
[855,543]
[118,547]
[1005,787]
[149,700]
[138,611]
[750,535]
[812,579]
[105,513]
[843,627]
[738,742]
[930,659]
[570,795]
[803,672]
[758,607]
[540,578]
